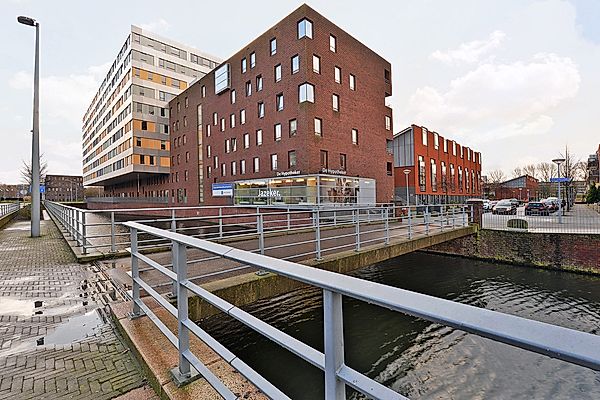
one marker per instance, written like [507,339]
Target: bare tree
[531,170]
[26,173]
[545,171]
[497,176]
[569,169]
[517,172]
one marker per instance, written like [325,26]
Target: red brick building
[64,188]
[440,170]
[522,188]
[297,116]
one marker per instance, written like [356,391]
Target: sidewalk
[55,341]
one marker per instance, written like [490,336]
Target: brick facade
[64,188]
[362,109]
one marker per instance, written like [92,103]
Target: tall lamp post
[559,161]
[35,142]
[406,173]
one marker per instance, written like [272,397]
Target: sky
[516,80]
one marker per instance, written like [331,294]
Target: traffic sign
[561,180]
[222,189]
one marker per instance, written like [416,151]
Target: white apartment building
[126,127]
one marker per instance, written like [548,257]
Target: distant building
[64,188]
[441,170]
[593,168]
[12,192]
[523,188]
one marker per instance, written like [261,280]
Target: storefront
[318,189]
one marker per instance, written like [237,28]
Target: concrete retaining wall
[564,251]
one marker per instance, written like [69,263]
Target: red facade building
[439,170]
[297,116]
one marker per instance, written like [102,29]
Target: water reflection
[424,360]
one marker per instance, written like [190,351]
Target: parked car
[487,206]
[505,207]
[536,208]
[550,205]
[515,202]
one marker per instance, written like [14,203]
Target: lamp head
[406,171]
[558,161]
[26,21]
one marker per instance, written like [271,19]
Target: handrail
[557,342]
[7,208]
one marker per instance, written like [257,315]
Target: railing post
[175,262]
[357,231]
[442,218]
[83,233]
[113,244]
[409,224]
[220,222]
[333,320]
[135,274]
[453,217]
[173,221]
[261,234]
[387,225]
[318,236]
[427,220]
[183,335]
[334,217]
[464,216]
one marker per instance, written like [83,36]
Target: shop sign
[288,173]
[333,171]
[222,189]
[269,193]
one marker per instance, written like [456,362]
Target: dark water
[423,360]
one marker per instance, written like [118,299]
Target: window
[248,88]
[352,82]
[306,92]
[422,173]
[279,102]
[305,29]
[246,140]
[252,60]
[222,78]
[215,119]
[208,130]
[203,91]
[386,75]
[187,102]
[208,151]
[453,148]
[233,97]
[436,141]
[227,146]
[324,159]
[256,164]
[424,136]
[261,110]
[186,175]
[445,145]
[295,64]
[273,45]
[178,106]
[144,125]
[433,175]
[388,123]
[163,145]
[274,162]
[337,74]
[259,83]
[342,162]
[242,167]
[232,120]
[259,137]
[222,124]
[223,169]
[277,133]
[244,65]
[138,142]
[335,99]
[142,159]
[332,43]
[316,64]
[233,168]
[293,127]
[242,116]
[184,121]
[354,136]
[292,159]
[460,178]
[318,126]
[277,72]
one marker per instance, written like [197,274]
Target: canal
[423,360]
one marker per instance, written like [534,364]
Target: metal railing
[7,208]
[578,219]
[100,230]
[565,344]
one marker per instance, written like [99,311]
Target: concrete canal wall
[564,251]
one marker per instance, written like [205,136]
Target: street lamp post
[406,173]
[35,142]
[559,161]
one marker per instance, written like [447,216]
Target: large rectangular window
[246,140]
[422,173]
[335,102]
[256,164]
[277,72]
[274,166]
[354,136]
[279,102]
[424,136]
[293,127]
[222,78]
[332,43]
[292,159]
[259,137]
[337,74]
[259,83]
[261,110]
[316,64]
[318,127]
[433,175]
[242,167]
[295,64]
[305,29]
[352,82]
[277,132]
[273,45]
[324,158]
[306,92]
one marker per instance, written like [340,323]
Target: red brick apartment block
[297,116]
[441,170]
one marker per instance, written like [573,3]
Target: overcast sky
[516,80]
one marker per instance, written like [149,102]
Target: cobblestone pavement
[55,340]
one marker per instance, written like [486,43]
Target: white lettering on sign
[269,193]
[288,173]
[334,171]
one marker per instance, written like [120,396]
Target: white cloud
[63,98]
[496,101]
[159,26]
[470,52]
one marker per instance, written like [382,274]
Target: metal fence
[100,230]
[580,218]
[553,341]
[7,208]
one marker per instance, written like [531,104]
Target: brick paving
[55,341]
